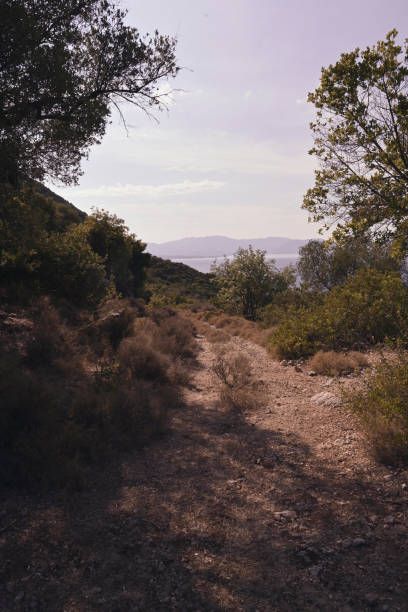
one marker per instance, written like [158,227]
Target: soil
[278,509]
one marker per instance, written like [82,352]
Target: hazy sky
[230,156]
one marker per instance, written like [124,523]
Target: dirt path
[279,510]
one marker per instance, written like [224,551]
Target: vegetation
[382,405]
[248,282]
[173,284]
[324,265]
[330,363]
[63,66]
[360,140]
[238,389]
[368,308]
[72,395]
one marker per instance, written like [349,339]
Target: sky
[230,156]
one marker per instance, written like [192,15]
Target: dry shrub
[51,341]
[238,389]
[331,363]
[382,405]
[138,358]
[215,335]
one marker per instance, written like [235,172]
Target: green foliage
[121,253]
[169,283]
[248,282]
[324,265]
[63,66]
[368,308]
[382,405]
[46,247]
[360,136]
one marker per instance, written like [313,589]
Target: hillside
[217,246]
[177,282]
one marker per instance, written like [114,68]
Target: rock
[329,382]
[283,363]
[389,520]
[315,570]
[312,373]
[357,542]
[19,596]
[324,398]
[404,486]
[298,368]
[286,514]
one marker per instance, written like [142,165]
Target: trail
[278,510]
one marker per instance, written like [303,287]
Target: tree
[248,282]
[121,252]
[63,66]
[361,140]
[324,265]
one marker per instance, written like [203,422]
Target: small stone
[388,476]
[19,596]
[357,542]
[389,520]
[283,363]
[298,368]
[329,382]
[404,486]
[286,514]
[312,373]
[315,570]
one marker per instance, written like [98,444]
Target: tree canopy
[249,281]
[63,66]
[361,141]
[324,265]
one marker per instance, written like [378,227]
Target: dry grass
[238,390]
[330,363]
[234,326]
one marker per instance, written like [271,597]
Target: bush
[330,363]
[139,359]
[368,308]
[238,390]
[382,405]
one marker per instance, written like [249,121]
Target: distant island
[218,246]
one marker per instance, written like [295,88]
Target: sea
[203,264]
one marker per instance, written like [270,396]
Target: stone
[286,514]
[312,373]
[298,368]
[357,542]
[325,398]
[283,363]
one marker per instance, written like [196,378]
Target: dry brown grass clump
[331,363]
[239,390]
[235,326]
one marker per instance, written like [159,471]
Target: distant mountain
[217,246]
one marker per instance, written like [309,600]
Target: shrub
[238,390]
[368,308]
[330,363]
[139,359]
[382,405]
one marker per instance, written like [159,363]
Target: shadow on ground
[191,523]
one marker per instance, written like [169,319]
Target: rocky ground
[280,509]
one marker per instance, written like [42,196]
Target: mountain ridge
[218,246]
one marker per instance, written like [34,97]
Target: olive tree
[64,65]
[249,281]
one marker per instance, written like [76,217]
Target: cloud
[149,191]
